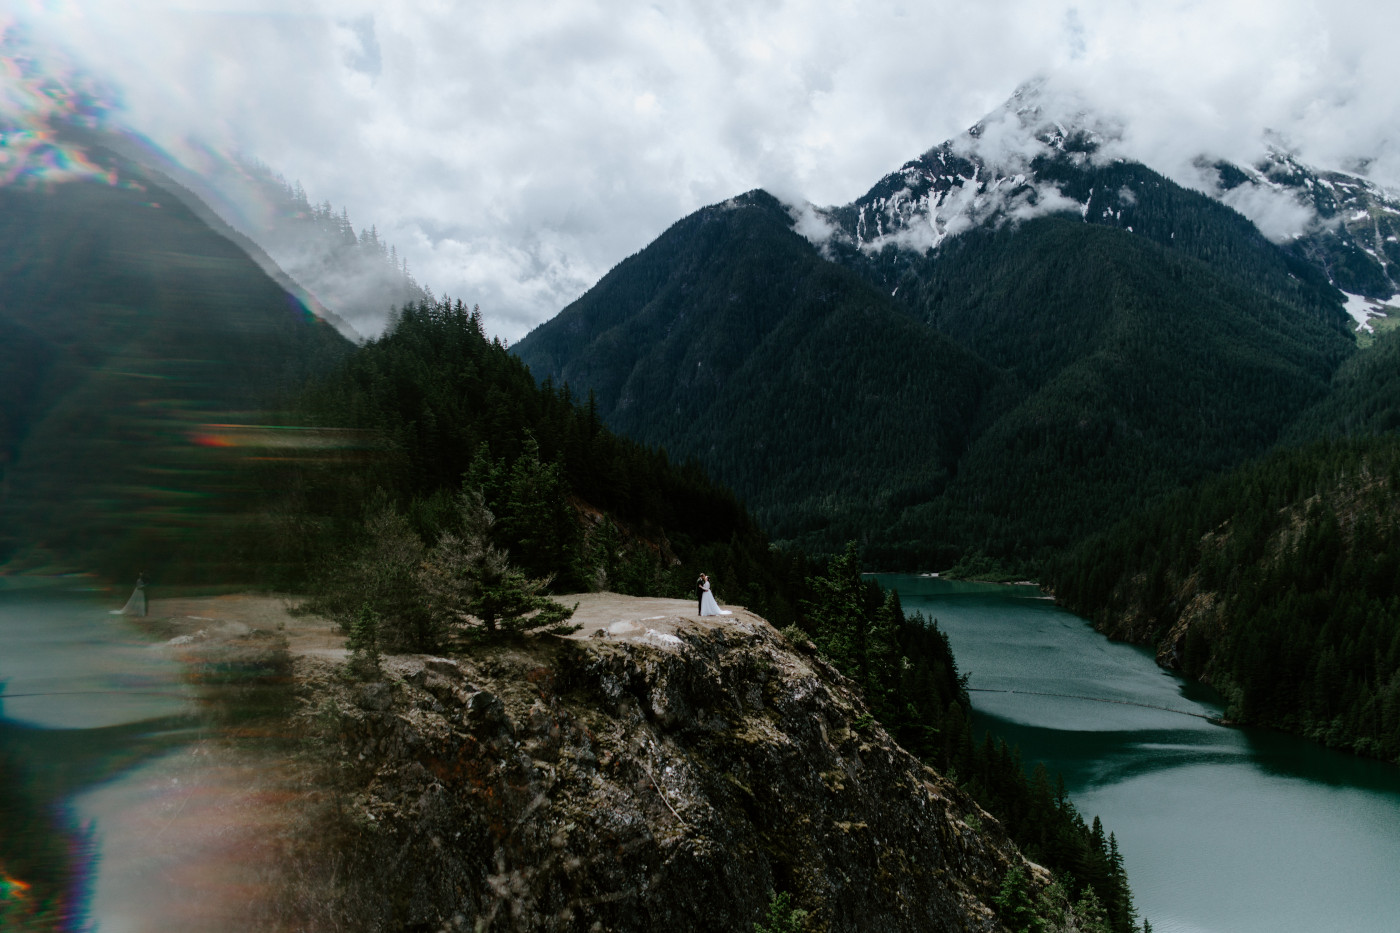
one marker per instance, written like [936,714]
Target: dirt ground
[193,837]
[651,620]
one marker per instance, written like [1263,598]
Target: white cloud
[1278,214]
[514,153]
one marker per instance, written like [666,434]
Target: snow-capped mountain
[1032,156]
[1348,225]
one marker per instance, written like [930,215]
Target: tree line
[1289,569]
[909,677]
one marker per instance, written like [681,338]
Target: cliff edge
[652,771]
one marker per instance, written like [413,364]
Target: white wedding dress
[708,606]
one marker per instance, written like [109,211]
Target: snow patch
[1362,309]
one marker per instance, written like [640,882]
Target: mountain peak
[1036,154]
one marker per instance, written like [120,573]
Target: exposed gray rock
[608,784]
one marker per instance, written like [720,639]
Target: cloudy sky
[514,152]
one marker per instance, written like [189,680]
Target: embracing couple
[708,606]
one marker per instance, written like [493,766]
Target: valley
[491,707]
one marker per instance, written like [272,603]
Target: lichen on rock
[633,783]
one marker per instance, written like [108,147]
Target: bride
[708,606]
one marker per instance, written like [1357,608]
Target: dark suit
[699,593]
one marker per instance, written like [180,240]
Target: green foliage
[782,916]
[905,668]
[468,582]
[838,596]
[733,341]
[1090,914]
[363,642]
[379,573]
[389,589]
[1300,555]
[1015,903]
[1008,393]
[442,409]
[1364,399]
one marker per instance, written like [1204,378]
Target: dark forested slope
[732,341]
[1135,367]
[129,323]
[1045,378]
[1278,583]
[440,409]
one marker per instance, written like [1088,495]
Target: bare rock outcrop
[665,775]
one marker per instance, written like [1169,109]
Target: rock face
[665,780]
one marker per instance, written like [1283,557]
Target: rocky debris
[626,782]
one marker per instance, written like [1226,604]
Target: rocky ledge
[654,771]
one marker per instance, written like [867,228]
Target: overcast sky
[514,152]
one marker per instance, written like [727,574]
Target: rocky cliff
[654,771]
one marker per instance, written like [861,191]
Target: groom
[699,593]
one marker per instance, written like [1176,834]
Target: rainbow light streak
[35,103]
[12,889]
[277,437]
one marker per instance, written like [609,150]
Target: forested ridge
[452,414]
[730,340]
[1005,395]
[1151,365]
[1135,370]
[442,411]
[906,668]
[1278,583]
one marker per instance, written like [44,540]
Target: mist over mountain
[131,327]
[1124,335]
[350,277]
[1019,162]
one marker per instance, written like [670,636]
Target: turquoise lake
[1223,830]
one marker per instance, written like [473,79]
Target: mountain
[1012,165]
[732,341]
[350,278]
[1354,231]
[1154,336]
[433,409]
[1081,335]
[131,324]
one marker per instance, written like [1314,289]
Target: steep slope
[732,341]
[1047,149]
[1137,366]
[1163,340]
[651,772]
[142,324]
[1364,398]
[440,408]
[1349,226]
[1278,583]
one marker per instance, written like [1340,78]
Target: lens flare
[12,889]
[37,102]
[277,437]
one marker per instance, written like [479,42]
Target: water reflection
[82,701]
[1223,830]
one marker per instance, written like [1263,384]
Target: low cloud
[1278,214]
[515,155]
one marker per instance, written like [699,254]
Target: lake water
[85,704]
[1222,830]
